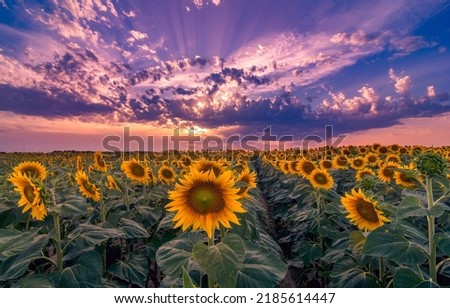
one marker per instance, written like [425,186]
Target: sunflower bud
[431,164]
[368,183]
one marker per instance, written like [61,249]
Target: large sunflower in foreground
[87,189]
[203,200]
[30,196]
[247,177]
[362,211]
[32,169]
[320,178]
[136,171]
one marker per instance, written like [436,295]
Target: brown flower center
[89,187]
[388,172]
[205,198]
[167,173]
[366,210]
[137,170]
[28,191]
[308,167]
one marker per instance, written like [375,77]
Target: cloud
[136,36]
[402,84]
[47,103]
[431,92]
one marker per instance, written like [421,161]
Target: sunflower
[30,195]
[320,178]
[166,175]
[99,162]
[357,163]
[406,177]
[393,158]
[247,177]
[362,211]
[79,163]
[111,183]
[205,201]
[293,166]
[372,159]
[326,164]
[305,167]
[284,167]
[386,171]
[383,150]
[204,165]
[185,161]
[87,189]
[32,169]
[136,171]
[340,162]
[361,173]
[394,147]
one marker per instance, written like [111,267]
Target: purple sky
[73,72]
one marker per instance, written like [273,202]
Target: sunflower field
[354,216]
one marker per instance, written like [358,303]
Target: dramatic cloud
[120,62]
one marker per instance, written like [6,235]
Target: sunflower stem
[431,231]
[102,211]
[127,200]
[27,225]
[211,281]
[381,271]
[57,241]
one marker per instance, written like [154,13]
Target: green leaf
[36,281]
[166,222]
[443,242]
[133,229]
[347,274]
[384,243]
[357,241]
[262,268]
[410,207]
[221,261]
[87,273]
[16,266]
[406,278]
[187,281]
[174,255]
[133,270]
[309,252]
[13,242]
[445,269]
[436,211]
[74,205]
[90,235]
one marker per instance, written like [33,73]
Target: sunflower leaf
[221,261]
[384,242]
[410,207]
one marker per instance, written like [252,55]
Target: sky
[74,72]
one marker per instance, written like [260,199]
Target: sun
[87,189]
[30,195]
[205,201]
[136,171]
[32,169]
[362,211]
[320,178]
